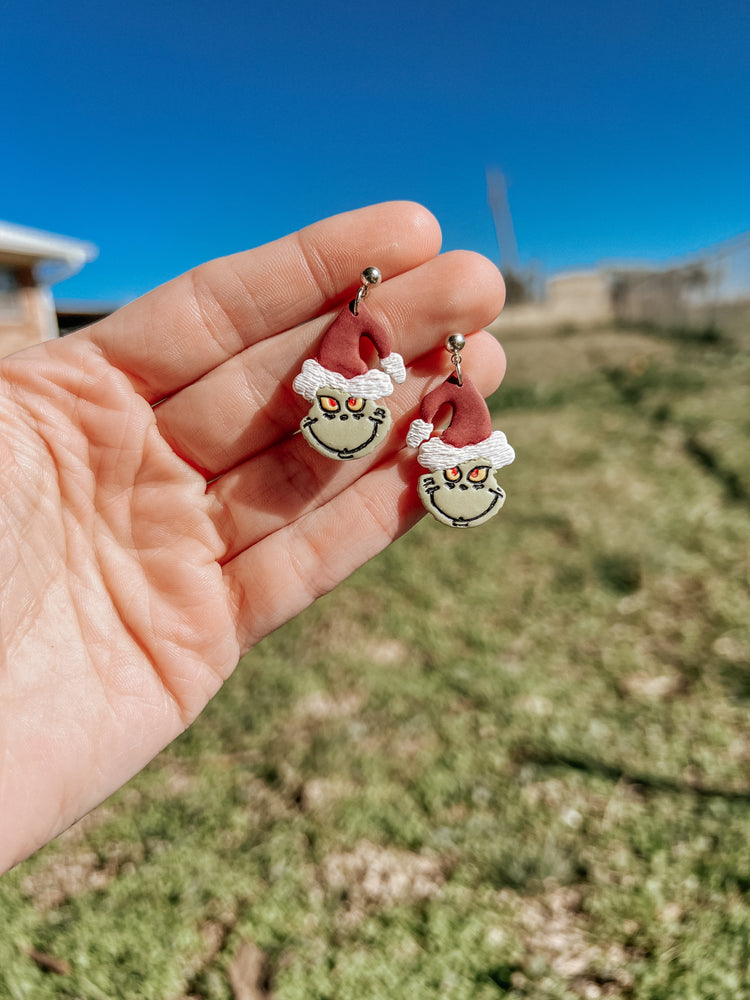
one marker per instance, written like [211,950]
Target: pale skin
[160,515]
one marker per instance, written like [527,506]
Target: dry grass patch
[372,877]
[556,932]
[78,870]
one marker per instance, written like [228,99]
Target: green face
[464,496]
[342,426]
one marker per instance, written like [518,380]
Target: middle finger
[247,404]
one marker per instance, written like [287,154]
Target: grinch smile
[350,452]
[458,520]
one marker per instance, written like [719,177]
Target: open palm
[160,515]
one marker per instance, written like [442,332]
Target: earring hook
[370,277]
[454,344]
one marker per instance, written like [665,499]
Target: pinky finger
[285,572]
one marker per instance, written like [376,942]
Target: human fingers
[185,328]
[290,480]
[247,404]
[274,580]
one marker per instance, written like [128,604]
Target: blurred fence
[690,293]
[693,292]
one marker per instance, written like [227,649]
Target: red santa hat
[340,365]
[469,435]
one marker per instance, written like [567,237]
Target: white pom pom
[418,432]
[394,366]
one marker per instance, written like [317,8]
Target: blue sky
[170,132]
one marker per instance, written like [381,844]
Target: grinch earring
[460,489]
[346,420]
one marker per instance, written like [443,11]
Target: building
[31,262]
[661,295]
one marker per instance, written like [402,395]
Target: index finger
[174,335]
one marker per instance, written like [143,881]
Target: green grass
[507,762]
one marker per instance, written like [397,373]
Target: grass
[507,762]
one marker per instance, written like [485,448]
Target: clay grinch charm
[460,489]
[347,418]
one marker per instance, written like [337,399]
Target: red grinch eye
[479,474]
[355,405]
[329,404]
[452,475]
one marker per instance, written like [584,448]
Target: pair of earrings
[348,418]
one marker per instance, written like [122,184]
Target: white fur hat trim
[435,454]
[372,384]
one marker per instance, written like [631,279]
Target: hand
[130,587]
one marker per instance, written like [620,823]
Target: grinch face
[342,426]
[464,496]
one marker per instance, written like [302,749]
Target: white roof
[67,256]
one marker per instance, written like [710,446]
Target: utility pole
[497,196]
